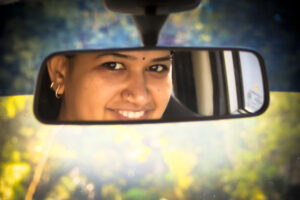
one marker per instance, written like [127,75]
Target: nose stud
[127,95]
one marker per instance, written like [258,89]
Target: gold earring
[58,96]
[52,84]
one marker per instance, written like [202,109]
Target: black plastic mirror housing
[150,85]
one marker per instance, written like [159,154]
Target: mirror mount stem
[150,16]
[149,27]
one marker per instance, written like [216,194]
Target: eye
[157,68]
[114,66]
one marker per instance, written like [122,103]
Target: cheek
[84,87]
[102,88]
[89,95]
[98,88]
[161,95]
[88,90]
[162,90]
[82,97]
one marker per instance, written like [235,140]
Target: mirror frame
[43,73]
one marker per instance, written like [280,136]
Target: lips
[130,114]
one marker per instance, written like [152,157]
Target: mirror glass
[165,84]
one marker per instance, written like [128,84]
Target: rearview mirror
[141,85]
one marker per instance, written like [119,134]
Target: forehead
[147,53]
[138,54]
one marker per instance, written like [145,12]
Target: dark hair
[48,106]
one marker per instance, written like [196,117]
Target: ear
[57,69]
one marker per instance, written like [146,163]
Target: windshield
[251,158]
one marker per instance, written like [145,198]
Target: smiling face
[124,85]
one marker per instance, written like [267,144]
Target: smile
[130,115]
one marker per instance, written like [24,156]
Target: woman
[123,85]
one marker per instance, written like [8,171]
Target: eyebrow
[166,58]
[119,55]
[116,55]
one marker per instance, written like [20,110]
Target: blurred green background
[251,158]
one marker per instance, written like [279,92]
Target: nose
[136,91]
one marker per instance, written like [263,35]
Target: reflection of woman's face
[129,85]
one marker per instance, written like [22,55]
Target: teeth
[131,114]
